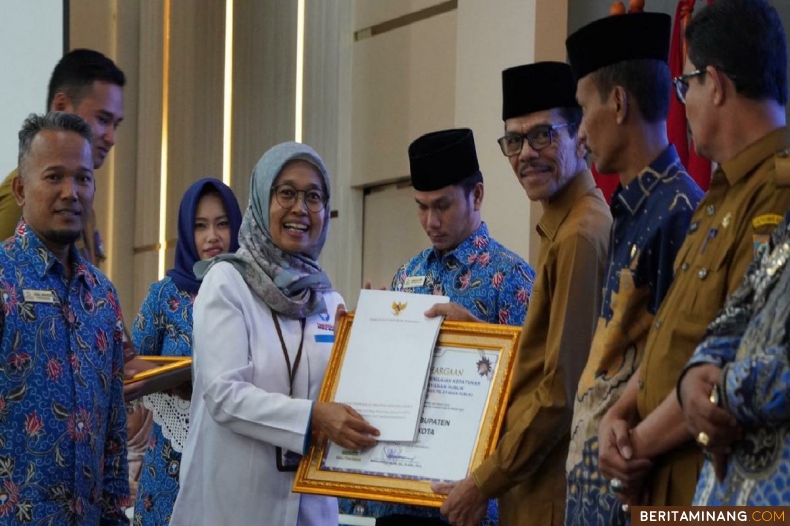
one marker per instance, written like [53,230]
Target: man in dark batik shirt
[624,97]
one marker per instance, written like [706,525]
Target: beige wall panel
[264,77]
[404,86]
[149,153]
[92,25]
[121,216]
[149,127]
[551,29]
[488,43]
[114,29]
[327,127]
[371,12]
[197,61]
[322,81]
[393,234]
[170,257]
[145,263]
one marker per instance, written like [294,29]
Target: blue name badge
[325,338]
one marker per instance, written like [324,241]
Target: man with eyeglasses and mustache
[527,470]
[624,94]
[735,90]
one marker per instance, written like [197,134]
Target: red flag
[676,122]
[607,183]
[677,128]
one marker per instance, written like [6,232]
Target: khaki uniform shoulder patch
[782,162]
[766,219]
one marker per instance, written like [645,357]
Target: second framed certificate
[459,426]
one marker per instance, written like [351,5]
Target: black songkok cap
[537,87]
[442,158]
[618,38]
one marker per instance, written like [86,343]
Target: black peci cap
[537,87]
[619,38]
[442,158]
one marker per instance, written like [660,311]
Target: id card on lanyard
[288,460]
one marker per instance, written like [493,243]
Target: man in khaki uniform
[88,84]
[527,470]
[736,112]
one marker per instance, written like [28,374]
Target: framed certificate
[171,371]
[465,405]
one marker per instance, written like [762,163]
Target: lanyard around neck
[291,370]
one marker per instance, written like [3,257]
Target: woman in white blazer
[263,332]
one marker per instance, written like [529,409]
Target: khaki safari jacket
[527,470]
[748,197]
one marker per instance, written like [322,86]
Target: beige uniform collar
[747,159]
[557,209]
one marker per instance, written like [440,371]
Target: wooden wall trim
[405,20]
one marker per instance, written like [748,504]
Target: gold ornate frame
[171,372]
[166,364]
[310,478]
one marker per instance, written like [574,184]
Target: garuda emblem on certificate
[398,307]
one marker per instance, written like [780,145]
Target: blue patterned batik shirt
[484,277]
[62,418]
[651,217]
[487,279]
[162,328]
[750,341]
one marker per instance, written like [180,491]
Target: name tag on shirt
[38,296]
[414,281]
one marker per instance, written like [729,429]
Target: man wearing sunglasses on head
[527,470]
[735,107]
[624,93]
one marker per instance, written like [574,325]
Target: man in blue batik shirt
[62,419]
[485,281]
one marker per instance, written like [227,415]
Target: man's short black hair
[648,81]
[571,115]
[468,184]
[76,72]
[746,41]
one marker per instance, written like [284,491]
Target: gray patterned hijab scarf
[290,284]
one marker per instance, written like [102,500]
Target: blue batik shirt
[62,418]
[750,341]
[651,217]
[487,279]
[163,327]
